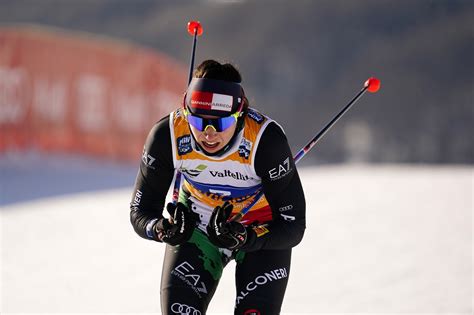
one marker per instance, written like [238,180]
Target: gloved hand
[223,234]
[178,228]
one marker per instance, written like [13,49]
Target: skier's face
[211,140]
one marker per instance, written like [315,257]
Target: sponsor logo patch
[261,281]
[194,172]
[137,199]
[211,101]
[184,144]
[178,113]
[148,159]
[220,192]
[281,171]
[289,218]
[255,116]
[244,148]
[228,173]
[184,272]
[286,208]
[260,230]
[179,308]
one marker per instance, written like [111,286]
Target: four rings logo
[184,309]
[286,208]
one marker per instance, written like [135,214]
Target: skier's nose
[210,132]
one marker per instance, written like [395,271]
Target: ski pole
[194,29]
[372,85]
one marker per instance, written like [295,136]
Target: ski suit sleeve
[153,180]
[282,188]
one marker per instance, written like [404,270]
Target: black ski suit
[191,271]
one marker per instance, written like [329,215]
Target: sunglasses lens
[225,122]
[196,122]
[219,124]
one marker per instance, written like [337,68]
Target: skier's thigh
[261,279]
[187,282]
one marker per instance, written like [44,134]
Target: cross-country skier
[226,152]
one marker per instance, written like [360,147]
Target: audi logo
[184,309]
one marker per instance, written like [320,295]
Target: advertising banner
[68,92]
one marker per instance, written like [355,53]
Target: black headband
[213,97]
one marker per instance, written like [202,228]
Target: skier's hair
[211,69]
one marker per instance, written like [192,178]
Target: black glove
[223,234]
[178,228]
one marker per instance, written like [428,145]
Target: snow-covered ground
[379,240]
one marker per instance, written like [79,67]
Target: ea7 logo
[281,171]
[147,159]
[185,272]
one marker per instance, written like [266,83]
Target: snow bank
[385,239]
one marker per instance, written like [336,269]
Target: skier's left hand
[223,234]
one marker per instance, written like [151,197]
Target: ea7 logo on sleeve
[148,159]
[281,171]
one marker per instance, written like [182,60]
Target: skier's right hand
[178,228]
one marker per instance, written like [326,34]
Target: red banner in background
[60,91]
